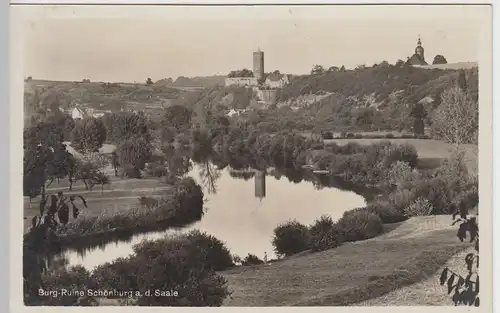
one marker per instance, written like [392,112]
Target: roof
[416,60]
[276,77]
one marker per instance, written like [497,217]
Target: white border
[16,88]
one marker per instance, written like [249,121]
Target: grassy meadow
[407,253]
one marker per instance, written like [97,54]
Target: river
[242,213]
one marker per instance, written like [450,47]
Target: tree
[126,125]
[86,172]
[399,63]
[133,154]
[102,179]
[115,162]
[439,59]
[178,117]
[418,113]
[88,135]
[149,81]
[317,70]
[456,119]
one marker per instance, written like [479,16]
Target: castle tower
[260,184]
[258,64]
[419,50]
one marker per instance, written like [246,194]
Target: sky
[131,44]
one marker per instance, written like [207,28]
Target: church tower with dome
[418,57]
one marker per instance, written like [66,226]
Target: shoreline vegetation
[397,190]
[356,225]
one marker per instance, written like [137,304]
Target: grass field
[430,152]
[408,253]
[119,196]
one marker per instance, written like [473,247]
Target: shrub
[401,198]
[386,212]
[324,234]
[349,135]
[403,152]
[148,202]
[251,259]
[290,238]
[358,136]
[437,191]
[174,263]
[420,207]
[351,148]
[76,277]
[359,225]
[218,256]
[155,170]
[402,175]
[327,135]
[389,135]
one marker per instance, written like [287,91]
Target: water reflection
[260,184]
[237,214]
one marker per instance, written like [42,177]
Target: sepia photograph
[253,156]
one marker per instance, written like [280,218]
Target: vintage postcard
[244,156]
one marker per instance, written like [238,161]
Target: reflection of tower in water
[260,184]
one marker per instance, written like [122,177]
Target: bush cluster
[185,263]
[293,237]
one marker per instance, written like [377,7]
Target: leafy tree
[439,59]
[456,119]
[88,135]
[178,117]
[317,70]
[133,155]
[149,81]
[399,63]
[102,179]
[86,172]
[125,125]
[418,113]
[115,162]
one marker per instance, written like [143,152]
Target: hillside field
[408,253]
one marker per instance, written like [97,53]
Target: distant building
[78,113]
[260,184]
[258,64]
[276,80]
[418,57]
[267,96]
[241,81]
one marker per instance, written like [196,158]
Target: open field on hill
[408,253]
[430,152]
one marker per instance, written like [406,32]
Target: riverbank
[406,253]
